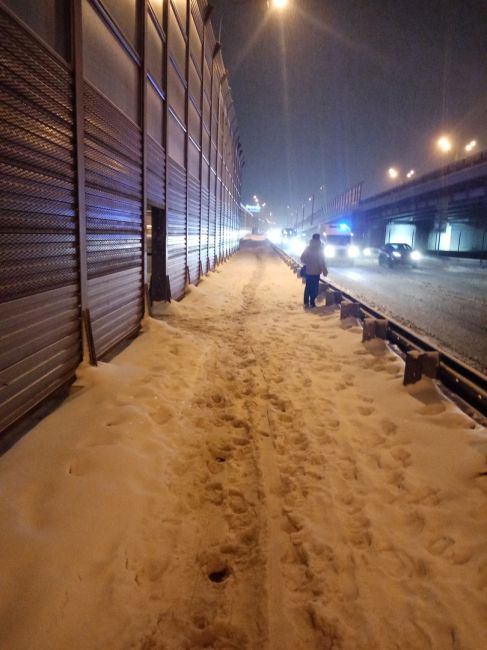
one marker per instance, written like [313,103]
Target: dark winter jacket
[313,258]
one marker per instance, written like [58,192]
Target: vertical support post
[349,309]
[430,362]
[142,8]
[210,193]
[186,119]
[165,26]
[381,325]
[212,134]
[88,344]
[374,328]
[332,297]
[202,90]
[218,131]
[368,331]
[148,300]
[412,369]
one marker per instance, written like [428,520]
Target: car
[392,255]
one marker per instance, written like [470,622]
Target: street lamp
[392,173]
[470,146]
[410,173]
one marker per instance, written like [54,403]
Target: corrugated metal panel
[176,228]
[156,173]
[114,306]
[205,204]
[212,221]
[113,163]
[40,337]
[218,220]
[194,228]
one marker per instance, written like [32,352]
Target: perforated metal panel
[113,160]
[40,338]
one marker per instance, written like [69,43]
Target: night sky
[334,92]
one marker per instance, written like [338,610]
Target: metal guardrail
[462,380]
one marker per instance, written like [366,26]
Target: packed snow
[445,301]
[247,474]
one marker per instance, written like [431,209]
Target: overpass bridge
[444,211]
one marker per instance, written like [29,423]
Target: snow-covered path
[246,475]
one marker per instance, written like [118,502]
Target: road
[443,301]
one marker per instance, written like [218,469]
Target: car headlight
[330,251]
[415,255]
[367,252]
[296,246]
[396,254]
[353,251]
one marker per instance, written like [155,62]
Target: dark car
[398,254]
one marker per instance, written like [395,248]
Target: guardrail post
[419,364]
[368,331]
[413,368]
[332,297]
[374,328]
[349,309]
[381,325]
[429,363]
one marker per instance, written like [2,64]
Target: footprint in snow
[402,456]
[439,545]
[365,410]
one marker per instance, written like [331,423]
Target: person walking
[313,258]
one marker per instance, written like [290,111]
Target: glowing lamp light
[444,144]
[415,255]
[410,173]
[470,146]
[392,172]
[278,4]
[344,227]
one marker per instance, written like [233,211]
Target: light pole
[312,199]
